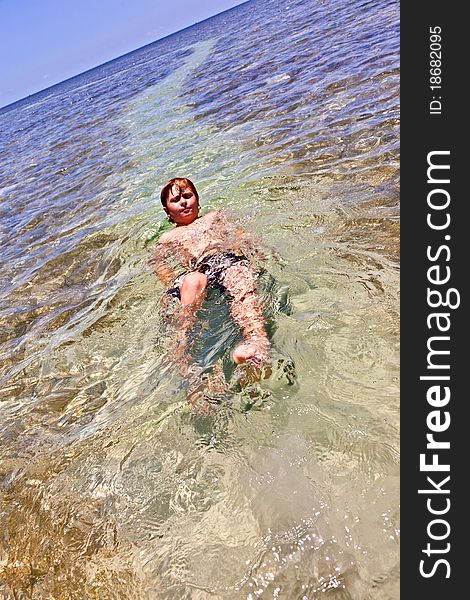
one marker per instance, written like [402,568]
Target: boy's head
[177,184]
[176,193]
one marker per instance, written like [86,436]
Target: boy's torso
[205,235]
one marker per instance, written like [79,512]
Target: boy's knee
[195,281]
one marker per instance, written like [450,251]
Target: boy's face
[182,205]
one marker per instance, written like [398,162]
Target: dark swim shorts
[213,266]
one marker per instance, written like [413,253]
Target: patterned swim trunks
[213,266]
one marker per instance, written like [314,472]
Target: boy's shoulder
[209,216]
[167,236]
[215,215]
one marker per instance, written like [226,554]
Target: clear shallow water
[286,114]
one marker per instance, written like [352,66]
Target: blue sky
[43,42]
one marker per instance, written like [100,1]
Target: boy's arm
[160,264]
[165,274]
[255,245]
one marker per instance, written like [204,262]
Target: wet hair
[179,183]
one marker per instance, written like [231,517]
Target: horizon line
[106,62]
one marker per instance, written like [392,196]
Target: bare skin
[195,237]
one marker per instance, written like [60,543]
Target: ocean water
[285,113]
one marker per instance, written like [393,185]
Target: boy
[207,251]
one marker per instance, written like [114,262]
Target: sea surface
[286,114]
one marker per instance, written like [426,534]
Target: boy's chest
[199,234]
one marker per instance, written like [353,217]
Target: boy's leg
[192,292]
[240,281]
[192,288]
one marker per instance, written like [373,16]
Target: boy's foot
[251,352]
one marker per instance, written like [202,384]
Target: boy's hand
[160,265]
[164,273]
